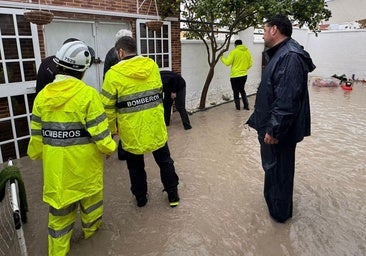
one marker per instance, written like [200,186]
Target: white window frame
[155,38]
[22,88]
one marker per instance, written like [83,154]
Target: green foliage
[310,13]
[204,19]
[238,15]
[168,8]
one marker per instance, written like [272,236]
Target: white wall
[339,52]
[195,69]
[346,10]
[333,52]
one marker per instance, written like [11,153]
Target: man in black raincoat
[174,88]
[282,113]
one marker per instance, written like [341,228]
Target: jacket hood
[241,47]
[296,47]
[308,61]
[138,67]
[61,90]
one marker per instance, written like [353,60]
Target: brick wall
[127,6]
[176,47]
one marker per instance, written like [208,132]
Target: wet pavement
[222,210]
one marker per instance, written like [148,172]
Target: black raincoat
[282,109]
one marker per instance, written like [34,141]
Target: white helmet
[74,55]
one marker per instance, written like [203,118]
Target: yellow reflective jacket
[131,95]
[70,133]
[240,60]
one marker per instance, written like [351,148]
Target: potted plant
[164,9]
[39,17]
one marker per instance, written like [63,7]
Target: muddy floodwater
[222,210]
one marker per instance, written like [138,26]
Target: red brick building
[24,44]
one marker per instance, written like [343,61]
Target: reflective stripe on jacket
[70,132]
[131,93]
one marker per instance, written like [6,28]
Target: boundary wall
[333,52]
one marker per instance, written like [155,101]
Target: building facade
[24,44]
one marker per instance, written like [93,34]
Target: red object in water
[347,86]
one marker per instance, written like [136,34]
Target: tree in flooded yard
[205,19]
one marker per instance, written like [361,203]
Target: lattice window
[155,44]
[18,69]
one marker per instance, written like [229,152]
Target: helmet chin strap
[82,75]
[68,72]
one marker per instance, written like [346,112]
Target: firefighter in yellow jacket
[70,133]
[132,94]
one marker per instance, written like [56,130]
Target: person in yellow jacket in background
[240,60]
[132,96]
[70,133]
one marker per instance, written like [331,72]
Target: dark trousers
[136,168]
[278,162]
[180,105]
[238,85]
[121,152]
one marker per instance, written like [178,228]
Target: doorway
[98,35]
[19,62]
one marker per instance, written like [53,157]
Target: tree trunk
[206,86]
